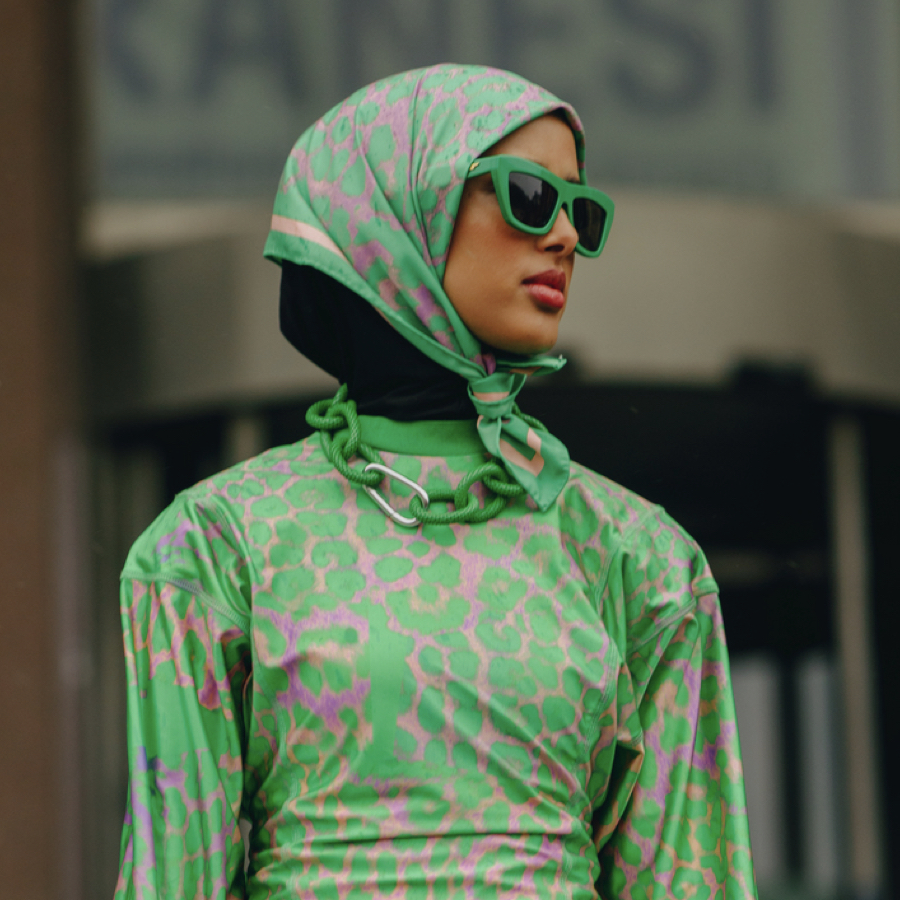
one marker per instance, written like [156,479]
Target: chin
[534,345]
[524,342]
[526,348]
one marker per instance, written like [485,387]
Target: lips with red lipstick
[548,288]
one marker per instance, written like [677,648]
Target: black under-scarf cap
[344,335]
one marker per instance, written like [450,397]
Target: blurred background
[734,354]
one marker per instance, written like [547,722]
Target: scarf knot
[494,397]
[533,456]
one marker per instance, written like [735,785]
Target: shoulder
[211,534]
[595,506]
[651,570]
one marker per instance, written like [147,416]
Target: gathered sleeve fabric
[188,658]
[674,821]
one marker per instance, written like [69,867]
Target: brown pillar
[39,419]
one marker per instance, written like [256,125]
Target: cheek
[479,227]
[495,252]
[472,260]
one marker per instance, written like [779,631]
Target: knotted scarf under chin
[536,459]
[388,376]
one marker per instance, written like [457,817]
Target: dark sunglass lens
[532,200]
[589,220]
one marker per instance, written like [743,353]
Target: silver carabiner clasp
[384,506]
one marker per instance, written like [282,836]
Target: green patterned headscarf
[369,196]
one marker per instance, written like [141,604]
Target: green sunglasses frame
[501,166]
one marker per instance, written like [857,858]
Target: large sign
[797,97]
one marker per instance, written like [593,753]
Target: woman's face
[510,288]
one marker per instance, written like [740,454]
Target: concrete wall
[687,286]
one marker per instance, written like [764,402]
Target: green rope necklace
[338,414]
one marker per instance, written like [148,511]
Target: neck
[342,334]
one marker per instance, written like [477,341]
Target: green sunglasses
[531,197]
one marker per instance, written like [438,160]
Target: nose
[562,237]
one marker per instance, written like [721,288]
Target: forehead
[548,141]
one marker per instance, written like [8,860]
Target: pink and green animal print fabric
[538,706]
[369,196]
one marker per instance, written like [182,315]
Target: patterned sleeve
[675,822]
[187,657]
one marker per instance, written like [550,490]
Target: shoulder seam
[653,510]
[661,627]
[656,509]
[214,509]
[598,584]
[191,587]
[705,584]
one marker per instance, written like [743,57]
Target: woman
[421,652]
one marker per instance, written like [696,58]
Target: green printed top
[538,706]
